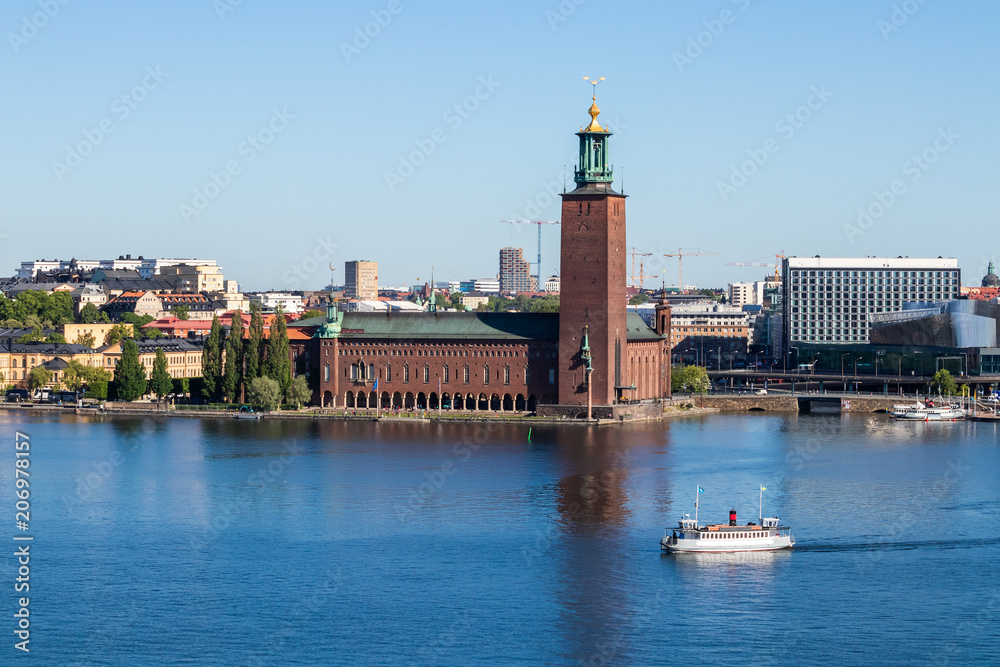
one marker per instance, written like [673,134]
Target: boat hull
[703,546]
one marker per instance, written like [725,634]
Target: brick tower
[592,307]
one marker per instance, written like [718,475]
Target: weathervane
[594,82]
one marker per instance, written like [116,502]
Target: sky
[278,138]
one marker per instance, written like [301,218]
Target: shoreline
[319,414]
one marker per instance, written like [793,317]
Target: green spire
[594,166]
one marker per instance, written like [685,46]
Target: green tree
[38,377]
[693,379]
[55,337]
[182,385]
[130,375]
[251,351]
[232,377]
[182,312]
[211,362]
[943,383]
[85,339]
[116,334]
[641,297]
[77,375]
[88,314]
[32,336]
[299,391]
[160,383]
[456,301]
[544,304]
[277,365]
[309,314]
[265,392]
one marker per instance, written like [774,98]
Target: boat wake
[901,546]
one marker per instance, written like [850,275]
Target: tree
[309,314]
[77,375]
[38,377]
[182,312]
[232,378]
[456,301]
[130,376]
[641,297]
[693,379]
[182,385]
[277,365]
[299,391]
[116,334]
[251,352]
[211,362]
[160,383]
[55,337]
[32,336]
[265,392]
[88,314]
[943,383]
[85,339]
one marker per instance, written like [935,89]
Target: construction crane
[539,285]
[642,275]
[680,254]
[776,266]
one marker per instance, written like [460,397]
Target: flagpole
[697,490]
[760,508]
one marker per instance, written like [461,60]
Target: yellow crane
[680,254]
[642,275]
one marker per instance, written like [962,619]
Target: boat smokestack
[732,517]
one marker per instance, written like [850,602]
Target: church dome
[991,279]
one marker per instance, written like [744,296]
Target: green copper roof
[467,326]
[470,326]
[638,330]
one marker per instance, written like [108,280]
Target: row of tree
[236,367]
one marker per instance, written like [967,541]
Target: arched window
[406,373]
[465,374]
[371,372]
[427,373]
[486,374]
[326,373]
[388,372]
[527,375]
[445,374]
[506,374]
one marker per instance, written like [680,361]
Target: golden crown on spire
[594,110]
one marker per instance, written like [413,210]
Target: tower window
[580,208]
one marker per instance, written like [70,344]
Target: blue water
[222,542]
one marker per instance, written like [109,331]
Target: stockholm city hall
[591,359]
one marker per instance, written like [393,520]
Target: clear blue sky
[682,126]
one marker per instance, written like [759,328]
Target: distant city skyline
[278,139]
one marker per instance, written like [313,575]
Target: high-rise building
[746,294]
[361,280]
[514,271]
[831,299]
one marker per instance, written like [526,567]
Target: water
[186,541]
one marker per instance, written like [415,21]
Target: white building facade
[831,299]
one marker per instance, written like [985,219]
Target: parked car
[761,392]
[17,396]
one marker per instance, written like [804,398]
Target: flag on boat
[701,490]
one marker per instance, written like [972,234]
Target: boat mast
[760,507]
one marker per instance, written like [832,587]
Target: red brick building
[592,351]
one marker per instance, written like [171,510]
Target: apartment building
[361,280]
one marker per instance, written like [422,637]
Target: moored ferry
[688,536]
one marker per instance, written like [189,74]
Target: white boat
[924,414]
[900,410]
[689,537]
